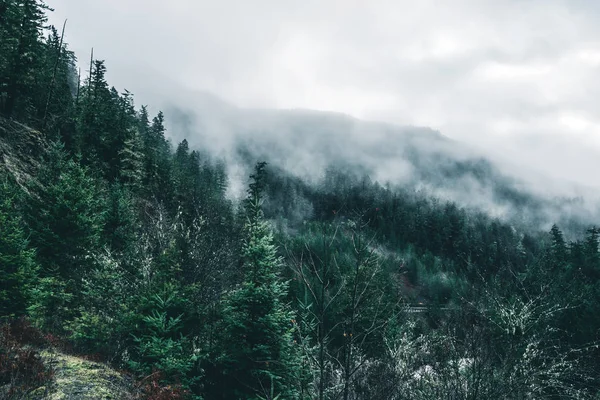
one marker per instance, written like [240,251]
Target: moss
[39,393]
[76,378]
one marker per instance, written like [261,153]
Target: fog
[416,159]
[515,82]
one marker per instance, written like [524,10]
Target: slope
[305,143]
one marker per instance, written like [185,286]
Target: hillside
[254,254]
[21,149]
[306,143]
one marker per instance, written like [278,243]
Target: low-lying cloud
[518,81]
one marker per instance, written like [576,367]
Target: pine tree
[65,215]
[18,269]
[558,248]
[260,356]
[21,56]
[120,223]
[107,126]
[162,346]
[56,107]
[94,117]
[182,174]
[592,253]
[131,158]
[157,179]
[123,147]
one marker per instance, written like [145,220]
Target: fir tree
[558,247]
[21,56]
[18,269]
[65,215]
[260,356]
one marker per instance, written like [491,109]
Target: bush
[152,388]
[50,302]
[21,367]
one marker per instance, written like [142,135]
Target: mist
[508,88]
[305,143]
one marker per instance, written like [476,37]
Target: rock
[79,379]
[21,149]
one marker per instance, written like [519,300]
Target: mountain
[305,143]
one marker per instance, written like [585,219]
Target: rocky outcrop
[21,149]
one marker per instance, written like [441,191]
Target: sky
[519,79]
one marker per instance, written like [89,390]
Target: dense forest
[117,243]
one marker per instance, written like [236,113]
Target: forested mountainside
[120,245]
[305,144]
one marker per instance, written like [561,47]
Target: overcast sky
[519,78]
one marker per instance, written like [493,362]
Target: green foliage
[21,57]
[51,303]
[18,267]
[106,311]
[131,159]
[65,215]
[260,356]
[92,330]
[161,346]
[121,224]
[157,168]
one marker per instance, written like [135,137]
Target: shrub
[152,388]
[21,367]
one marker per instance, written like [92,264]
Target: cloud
[518,79]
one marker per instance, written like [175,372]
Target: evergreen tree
[162,346]
[65,215]
[123,146]
[592,254]
[157,179]
[21,56]
[260,357]
[121,224]
[18,268]
[558,247]
[93,117]
[131,158]
[56,107]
